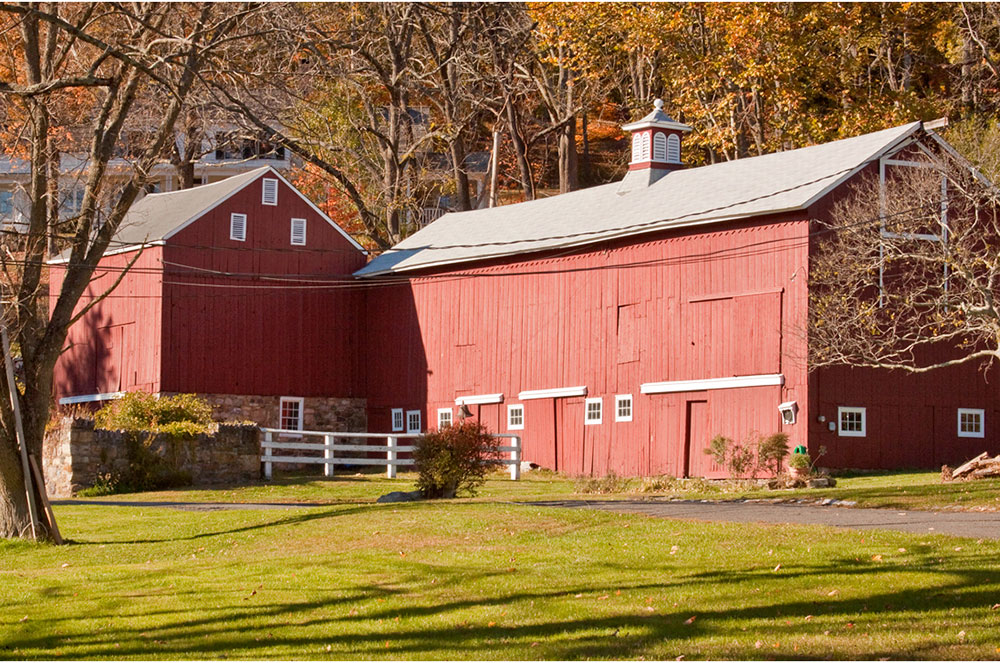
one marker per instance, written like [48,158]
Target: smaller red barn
[231,292]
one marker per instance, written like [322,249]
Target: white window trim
[91,398]
[302,410]
[232,227]
[982,422]
[586,412]
[631,406]
[511,408]
[263,191]
[292,233]
[443,411]
[420,424]
[479,399]
[402,420]
[852,433]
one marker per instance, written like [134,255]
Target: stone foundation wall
[319,413]
[75,454]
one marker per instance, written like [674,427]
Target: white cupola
[656,146]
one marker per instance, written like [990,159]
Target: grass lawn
[485,580]
[889,490]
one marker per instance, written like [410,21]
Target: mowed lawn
[486,580]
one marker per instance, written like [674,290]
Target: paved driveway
[977,525]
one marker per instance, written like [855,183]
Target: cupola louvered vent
[298,232]
[270,192]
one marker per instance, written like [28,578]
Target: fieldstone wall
[75,454]
[319,413]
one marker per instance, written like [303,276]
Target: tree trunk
[521,152]
[462,199]
[15,520]
[586,176]
[568,179]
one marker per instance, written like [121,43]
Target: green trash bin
[801,449]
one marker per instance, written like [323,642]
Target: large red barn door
[569,435]
[539,434]
[696,437]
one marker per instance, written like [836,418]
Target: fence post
[267,455]
[328,441]
[390,455]
[515,455]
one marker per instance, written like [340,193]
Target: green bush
[771,451]
[752,456]
[182,416]
[455,459]
[799,462]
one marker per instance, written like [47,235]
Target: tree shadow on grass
[357,623]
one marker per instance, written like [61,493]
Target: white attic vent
[674,149]
[238,227]
[270,192]
[659,147]
[298,232]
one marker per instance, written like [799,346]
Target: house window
[852,421]
[290,410]
[238,227]
[515,417]
[593,414]
[269,195]
[444,417]
[6,203]
[659,147]
[298,232]
[623,407]
[970,422]
[413,421]
[673,148]
[397,420]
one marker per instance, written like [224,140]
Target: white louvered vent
[298,232]
[659,147]
[238,227]
[270,192]
[674,149]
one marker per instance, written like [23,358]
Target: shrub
[799,461]
[183,415]
[736,458]
[772,450]
[455,459]
[608,484]
[755,454]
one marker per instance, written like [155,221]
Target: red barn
[619,328]
[229,296]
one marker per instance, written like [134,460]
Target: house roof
[772,183]
[158,216]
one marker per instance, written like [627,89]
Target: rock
[400,496]
[821,482]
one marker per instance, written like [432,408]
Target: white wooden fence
[293,440]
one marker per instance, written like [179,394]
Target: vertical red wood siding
[681,306]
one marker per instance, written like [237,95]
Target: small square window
[593,411]
[298,232]
[290,413]
[269,192]
[444,417]
[623,407]
[397,420]
[413,423]
[971,422]
[515,417]
[851,422]
[238,227]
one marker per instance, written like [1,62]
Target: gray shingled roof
[157,215]
[778,182]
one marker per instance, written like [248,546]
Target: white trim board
[674,386]
[91,398]
[560,392]
[479,399]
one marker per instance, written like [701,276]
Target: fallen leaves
[690,620]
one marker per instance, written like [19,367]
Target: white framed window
[593,413]
[413,424]
[397,420]
[238,227]
[971,422]
[298,232]
[269,192]
[659,147]
[444,417]
[851,422]
[673,148]
[290,413]
[515,417]
[623,407]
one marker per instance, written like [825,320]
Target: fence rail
[391,448]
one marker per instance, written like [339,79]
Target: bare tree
[908,275]
[103,58]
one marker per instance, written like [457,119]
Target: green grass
[482,580]
[889,490]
